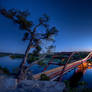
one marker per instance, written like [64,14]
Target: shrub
[44,77]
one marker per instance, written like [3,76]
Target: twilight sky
[73,19]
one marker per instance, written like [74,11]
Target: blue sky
[73,19]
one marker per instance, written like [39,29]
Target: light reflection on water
[81,73]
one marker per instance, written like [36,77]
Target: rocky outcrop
[7,84]
[10,85]
[39,86]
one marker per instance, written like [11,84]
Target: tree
[36,34]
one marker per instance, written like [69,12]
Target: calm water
[80,74]
[11,64]
[76,75]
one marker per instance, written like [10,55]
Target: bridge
[55,73]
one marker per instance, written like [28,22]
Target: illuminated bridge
[53,74]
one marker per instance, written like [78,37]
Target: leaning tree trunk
[21,73]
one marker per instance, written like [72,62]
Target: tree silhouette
[34,33]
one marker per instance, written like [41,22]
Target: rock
[36,90]
[41,86]
[10,85]
[7,84]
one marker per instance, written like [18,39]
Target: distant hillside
[83,53]
[6,53]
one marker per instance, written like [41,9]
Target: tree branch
[35,62]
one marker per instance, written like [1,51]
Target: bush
[41,63]
[44,77]
[87,90]
[82,83]
[16,56]
[4,70]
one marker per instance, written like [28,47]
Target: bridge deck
[56,71]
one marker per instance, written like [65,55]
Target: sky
[73,19]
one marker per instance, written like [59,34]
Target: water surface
[75,75]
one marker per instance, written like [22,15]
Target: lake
[11,64]
[78,74]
